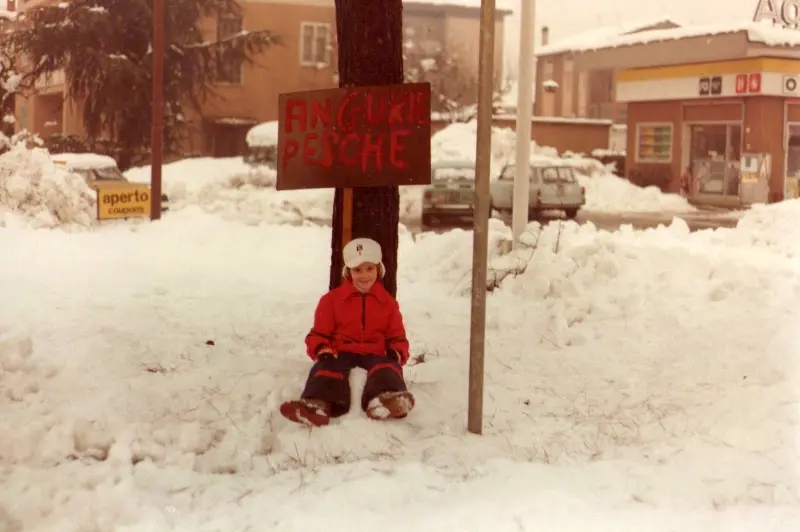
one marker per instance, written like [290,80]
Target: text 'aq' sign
[782,12]
[355,137]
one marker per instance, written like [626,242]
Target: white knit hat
[361,250]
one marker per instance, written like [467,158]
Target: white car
[97,170]
[552,187]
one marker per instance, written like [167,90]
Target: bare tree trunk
[370,38]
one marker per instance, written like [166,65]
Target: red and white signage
[754,83]
[741,83]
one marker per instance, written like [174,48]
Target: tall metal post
[521,198]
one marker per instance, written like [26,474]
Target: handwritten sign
[355,137]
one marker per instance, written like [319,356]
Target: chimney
[545,35]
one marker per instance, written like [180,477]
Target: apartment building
[578,89]
[306,60]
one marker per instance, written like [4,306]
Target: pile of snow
[36,192]
[631,377]
[264,135]
[567,247]
[771,227]
[234,190]
[606,192]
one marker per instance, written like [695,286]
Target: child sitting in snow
[358,324]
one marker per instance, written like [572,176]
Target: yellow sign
[123,201]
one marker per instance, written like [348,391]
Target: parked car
[97,170]
[262,144]
[552,187]
[450,195]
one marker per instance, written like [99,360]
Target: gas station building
[715,107]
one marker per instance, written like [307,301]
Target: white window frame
[671,126]
[315,27]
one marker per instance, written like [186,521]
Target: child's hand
[326,351]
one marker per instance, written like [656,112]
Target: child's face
[364,276]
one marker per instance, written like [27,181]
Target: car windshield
[446,174]
[557,174]
[108,174]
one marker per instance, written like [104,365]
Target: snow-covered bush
[46,196]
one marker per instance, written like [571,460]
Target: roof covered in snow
[84,161]
[502,6]
[757,32]
[605,33]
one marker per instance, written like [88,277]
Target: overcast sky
[569,17]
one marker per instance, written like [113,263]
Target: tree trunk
[370,38]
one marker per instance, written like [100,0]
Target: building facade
[580,90]
[714,109]
[306,60]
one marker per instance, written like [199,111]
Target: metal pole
[157,119]
[480,241]
[521,199]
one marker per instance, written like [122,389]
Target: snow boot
[309,412]
[390,405]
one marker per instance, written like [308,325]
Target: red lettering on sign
[321,112]
[295,110]
[363,131]
[741,83]
[310,149]
[754,83]
[396,147]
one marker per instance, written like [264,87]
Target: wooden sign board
[355,137]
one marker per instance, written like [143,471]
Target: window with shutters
[315,44]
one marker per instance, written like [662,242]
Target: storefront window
[716,151]
[653,143]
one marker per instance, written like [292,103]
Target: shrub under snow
[46,196]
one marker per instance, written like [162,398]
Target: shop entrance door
[792,176]
[715,154]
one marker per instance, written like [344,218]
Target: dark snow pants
[329,380]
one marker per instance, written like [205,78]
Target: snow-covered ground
[639,381]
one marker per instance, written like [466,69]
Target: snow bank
[263,135]
[36,192]
[771,227]
[234,190]
[606,192]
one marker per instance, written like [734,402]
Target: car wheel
[427,221]
[571,213]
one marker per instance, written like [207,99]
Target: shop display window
[654,143]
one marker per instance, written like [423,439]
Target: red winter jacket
[349,321]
